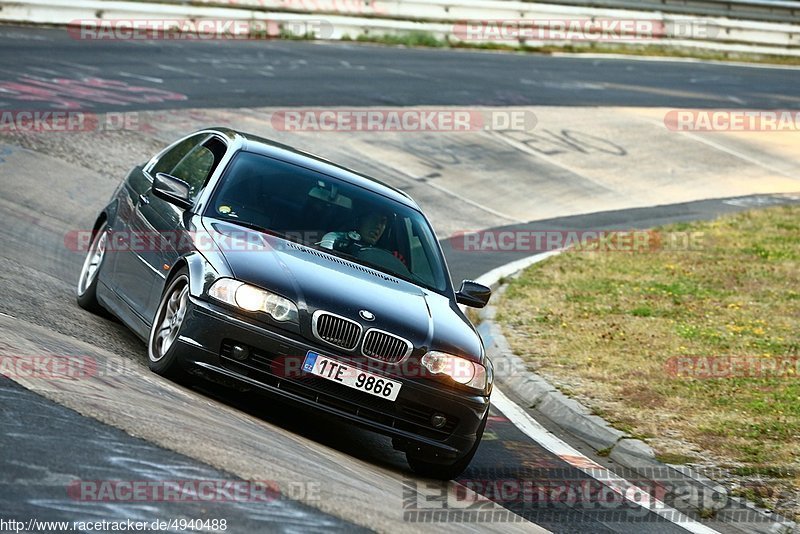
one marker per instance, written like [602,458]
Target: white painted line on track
[522,147]
[141,77]
[179,70]
[494,276]
[51,72]
[629,491]
[78,65]
[739,155]
[722,148]
[463,198]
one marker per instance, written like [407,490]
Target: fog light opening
[438,420]
[240,352]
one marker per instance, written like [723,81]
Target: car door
[137,266]
[195,168]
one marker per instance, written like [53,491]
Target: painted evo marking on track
[573,457]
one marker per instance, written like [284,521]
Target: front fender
[201,272]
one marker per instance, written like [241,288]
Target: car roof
[289,154]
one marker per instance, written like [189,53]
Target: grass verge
[426,39]
[637,336]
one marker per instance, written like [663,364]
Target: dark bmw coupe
[238,256]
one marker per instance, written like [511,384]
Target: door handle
[144,199]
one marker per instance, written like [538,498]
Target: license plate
[351,376]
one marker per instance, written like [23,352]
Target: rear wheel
[447,471]
[87,281]
[167,324]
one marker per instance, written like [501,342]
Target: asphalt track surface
[278,73]
[46,446]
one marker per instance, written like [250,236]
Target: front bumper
[273,365]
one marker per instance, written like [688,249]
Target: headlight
[253,299]
[459,369]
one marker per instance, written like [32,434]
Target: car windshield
[323,212]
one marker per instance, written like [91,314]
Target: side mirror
[473,294]
[173,190]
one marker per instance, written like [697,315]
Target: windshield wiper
[413,279]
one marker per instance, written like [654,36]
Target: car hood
[316,280]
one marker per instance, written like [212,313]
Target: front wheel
[447,471]
[87,281]
[167,324]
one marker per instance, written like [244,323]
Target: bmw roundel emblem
[367,315]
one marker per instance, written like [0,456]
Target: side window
[194,168]
[174,155]
[191,162]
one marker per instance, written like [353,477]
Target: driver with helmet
[369,228]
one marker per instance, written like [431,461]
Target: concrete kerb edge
[536,392]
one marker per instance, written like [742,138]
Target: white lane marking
[494,276]
[473,203]
[464,199]
[179,70]
[522,147]
[573,457]
[78,65]
[407,74]
[735,153]
[759,201]
[140,77]
[739,155]
[51,72]
[569,85]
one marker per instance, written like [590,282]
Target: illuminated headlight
[253,299]
[459,369]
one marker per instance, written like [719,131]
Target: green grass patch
[615,325]
[675,458]
[426,39]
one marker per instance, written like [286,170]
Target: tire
[447,471]
[162,357]
[87,281]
